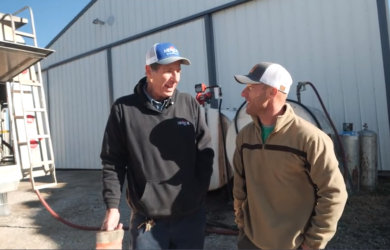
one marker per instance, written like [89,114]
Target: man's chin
[248,111]
[168,94]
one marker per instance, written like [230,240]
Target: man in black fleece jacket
[158,139]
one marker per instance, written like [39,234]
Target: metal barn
[341,46]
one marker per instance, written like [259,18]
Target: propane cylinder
[368,158]
[350,141]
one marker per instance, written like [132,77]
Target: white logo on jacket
[183,123]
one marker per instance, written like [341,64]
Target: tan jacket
[289,189]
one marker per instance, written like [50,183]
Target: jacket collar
[142,97]
[281,121]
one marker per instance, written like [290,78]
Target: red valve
[200,88]
[204,98]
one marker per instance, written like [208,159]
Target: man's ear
[148,71]
[273,92]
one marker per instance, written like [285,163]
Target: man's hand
[111,220]
[303,246]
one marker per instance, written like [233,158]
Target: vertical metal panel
[133,17]
[79,111]
[209,35]
[334,44]
[130,18]
[56,115]
[45,85]
[45,81]
[110,77]
[383,18]
[129,59]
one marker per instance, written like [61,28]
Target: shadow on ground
[77,199]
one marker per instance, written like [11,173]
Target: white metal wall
[79,108]
[129,59]
[45,86]
[131,17]
[335,44]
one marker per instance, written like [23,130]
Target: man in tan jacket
[289,192]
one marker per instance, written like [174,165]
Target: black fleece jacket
[166,156]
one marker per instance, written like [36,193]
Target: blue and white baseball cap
[164,53]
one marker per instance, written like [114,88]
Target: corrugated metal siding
[334,44]
[79,109]
[129,59]
[131,18]
[45,86]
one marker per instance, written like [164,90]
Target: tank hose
[236,116]
[346,171]
[225,153]
[87,228]
[308,111]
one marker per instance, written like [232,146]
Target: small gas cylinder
[368,158]
[350,141]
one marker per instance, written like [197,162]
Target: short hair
[154,66]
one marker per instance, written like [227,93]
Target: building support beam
[383,18]
[211,64]
[110,77]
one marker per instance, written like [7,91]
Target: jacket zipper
[267,139]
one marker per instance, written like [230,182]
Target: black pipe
[344,159]
[308,110]
[205,115]
[300,87]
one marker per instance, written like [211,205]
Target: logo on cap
[164,53]
[253,69]
[282,88]
[171,51]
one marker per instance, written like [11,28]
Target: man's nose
[244,92]
[176,76]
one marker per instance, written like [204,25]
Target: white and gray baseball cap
[164,53]
[272,74]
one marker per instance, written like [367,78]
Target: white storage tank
[219,177]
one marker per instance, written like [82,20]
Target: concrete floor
[77,199]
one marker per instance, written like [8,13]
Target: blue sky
[50,16]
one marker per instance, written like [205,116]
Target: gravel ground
[365,222]
[77,199]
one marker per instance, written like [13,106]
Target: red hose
[55,215]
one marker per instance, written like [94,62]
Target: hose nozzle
[301,87]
